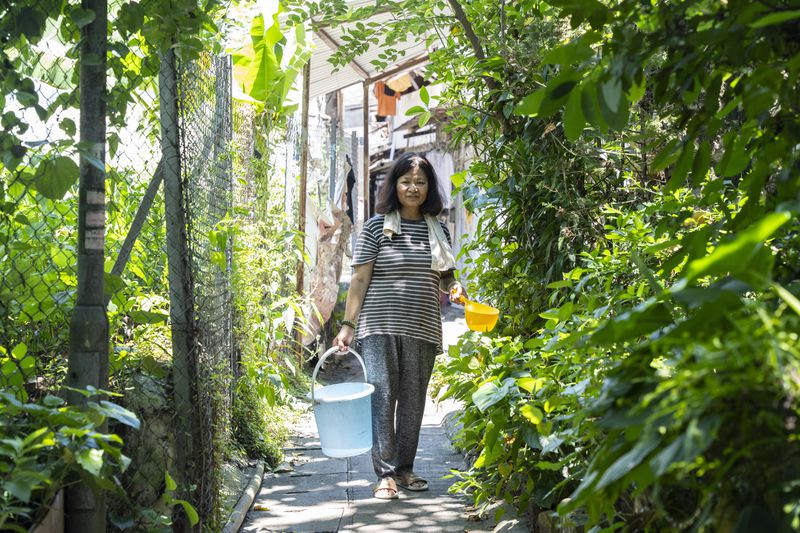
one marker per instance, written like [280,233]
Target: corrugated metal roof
[325,80]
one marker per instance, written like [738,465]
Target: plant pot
[53,521]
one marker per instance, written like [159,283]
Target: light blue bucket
[343,413]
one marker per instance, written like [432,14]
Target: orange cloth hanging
[387,104]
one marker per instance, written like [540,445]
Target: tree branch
[461,16]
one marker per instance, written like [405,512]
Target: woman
[402,260]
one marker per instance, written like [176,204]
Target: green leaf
[590,106]
[68,125]
[490,393]
[568,53]
[644,270]
[119,413]
[21,485]
[701,163]
[681,168]
[532,413]
[424,118]
[628,461]
[558,89]
[458,178]
[54,177]
[33,437]
[148,317]
[30,22]
[550,443]
[424,96]
[530,104]
[790,299]
[617,117]
[526,383]
[775,18]
[19,351]
[736,157]
[612,92]
[638,89]
[642,319]
[91,460]
[666,156]
[190,511]
[415,110]
[735,255]
[169,482]
[256,67]
[664,458]
[82,17]
[573,119]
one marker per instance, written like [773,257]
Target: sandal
[385,489]
[411,481]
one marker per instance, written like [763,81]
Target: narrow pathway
[315,493]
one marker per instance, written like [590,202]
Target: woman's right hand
[344,339]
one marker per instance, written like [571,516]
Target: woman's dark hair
[387,197]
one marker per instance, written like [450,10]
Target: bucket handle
[322,360]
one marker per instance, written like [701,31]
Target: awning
[328,39]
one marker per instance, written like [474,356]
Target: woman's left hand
[458,294]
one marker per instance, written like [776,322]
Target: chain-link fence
[191,178]
[205,134]
[38,245]
[38,209]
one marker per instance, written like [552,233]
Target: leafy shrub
[256,429]
[45,443]
[636,172]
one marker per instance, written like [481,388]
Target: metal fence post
[88,357]
[179,275]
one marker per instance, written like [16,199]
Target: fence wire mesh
[138,307]
[205,133]
[38,207]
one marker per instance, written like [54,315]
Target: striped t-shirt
[403,294]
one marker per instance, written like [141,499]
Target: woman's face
[412,188]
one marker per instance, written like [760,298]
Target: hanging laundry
[417,81]
[351,183]
[399,83]
[387,99]
[442,163]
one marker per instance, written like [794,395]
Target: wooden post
[301,218]
[365,191]
[354,195]
[333,112]
[181,312]
[88,355]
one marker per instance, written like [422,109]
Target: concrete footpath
[315,493]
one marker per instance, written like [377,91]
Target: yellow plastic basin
[480,317]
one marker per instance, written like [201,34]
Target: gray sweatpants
[399,367]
